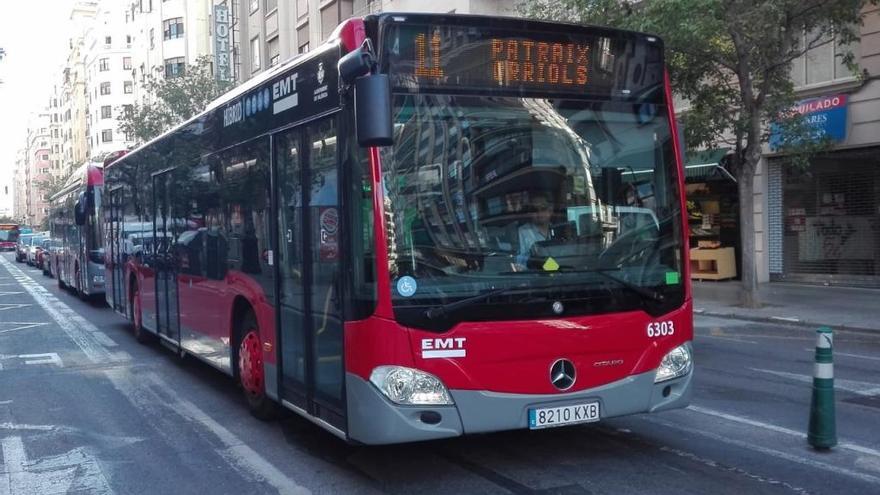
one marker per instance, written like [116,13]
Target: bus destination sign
[455,57]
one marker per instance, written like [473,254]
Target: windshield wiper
[445,309]
[645,293]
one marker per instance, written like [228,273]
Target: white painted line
[21,326]
[768,451]
[778,429]
[104,340]
[732,339]
[10,293]
[4,307]
[27,427]
[856,387]
[785,318]
[75,326]
[51,474]
[234,450]
[846,354]
[5,402]
[46,358]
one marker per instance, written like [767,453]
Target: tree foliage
[730,60]
[171,100]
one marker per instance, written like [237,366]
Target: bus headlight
[676,363]
[407,386]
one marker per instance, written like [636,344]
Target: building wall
[862,130]
[269,32]
[105,64]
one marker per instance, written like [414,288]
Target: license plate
[548,417]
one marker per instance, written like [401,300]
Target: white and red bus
[431,225]
[75,229]
[9,233]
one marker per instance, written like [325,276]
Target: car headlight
[675,363]
[408,386]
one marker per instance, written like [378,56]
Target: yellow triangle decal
[551,265]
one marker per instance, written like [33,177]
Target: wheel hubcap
[250,364]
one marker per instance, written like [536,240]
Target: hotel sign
[222,43]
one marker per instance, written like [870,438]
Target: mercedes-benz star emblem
[562,374]
[558,308]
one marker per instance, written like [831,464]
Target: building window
[106,112]
[174,66]
[255,54]
[128,39]
[302,8]
[126,63]
[105,88]
[822,63]
[107,136]
[254,6]
[104,64]
[108,40]
[302,38]
[272,51]
[271,5]
[172,28]
[152,38]
[128,87]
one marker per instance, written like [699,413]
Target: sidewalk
[808,305]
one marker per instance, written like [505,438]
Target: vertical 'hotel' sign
[222,42]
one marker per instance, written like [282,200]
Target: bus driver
[538,229]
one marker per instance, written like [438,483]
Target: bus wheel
[137,319]
[251,376]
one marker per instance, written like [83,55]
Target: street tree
[171,100]
[731,61]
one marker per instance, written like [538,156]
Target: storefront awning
[705,164]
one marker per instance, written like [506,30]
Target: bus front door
[310,329]
[115,260]
[166,227]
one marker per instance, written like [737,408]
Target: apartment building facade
[166,36]
[267,32]
[820,224]
[108,64]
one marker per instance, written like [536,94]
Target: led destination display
[460,57]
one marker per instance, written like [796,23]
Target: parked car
[49,255]
[33,247]
[21,248]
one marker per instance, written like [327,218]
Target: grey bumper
[373,419]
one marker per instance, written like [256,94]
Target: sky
[34,35]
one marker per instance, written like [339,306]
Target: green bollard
[823,429]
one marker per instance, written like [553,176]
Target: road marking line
[856,387]
[5,306]
[846,354]
[75,326]
[770,452]
[785,318]
[46,358]
[22,326]
[5,402]
[234,450]
[779,429]
[732,339]
[10,293]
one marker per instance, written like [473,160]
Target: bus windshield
[493,191]
[8,235]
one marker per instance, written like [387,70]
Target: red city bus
[8,236]
[477,225]
[75,227]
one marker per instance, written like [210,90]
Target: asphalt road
[84,409]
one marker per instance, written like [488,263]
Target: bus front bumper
[373,419]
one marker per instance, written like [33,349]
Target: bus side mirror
[372,96]
[79,210]
[372,110]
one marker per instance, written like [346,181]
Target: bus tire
[249,369]
[141,334]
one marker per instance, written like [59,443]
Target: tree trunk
[749,295]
